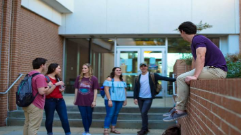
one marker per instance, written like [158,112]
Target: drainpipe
[9,53]
[1,33]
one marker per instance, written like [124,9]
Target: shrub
[234,65]
[188,59]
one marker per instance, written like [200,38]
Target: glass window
[102,59]
[215,40]
[141,41]
[77,54]
[129,67]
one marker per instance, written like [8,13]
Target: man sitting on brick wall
[209,64]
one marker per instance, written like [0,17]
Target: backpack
[24,94]
[156,84]
[173,130]
[102,91]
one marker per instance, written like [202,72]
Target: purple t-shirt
[38,81]
[85,95]
[213,57]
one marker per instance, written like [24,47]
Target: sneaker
[170,112]
[83,133]
[174,116]
[87,134]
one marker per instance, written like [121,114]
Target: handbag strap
[112,80]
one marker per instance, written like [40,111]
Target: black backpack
[173,130]
[24,94]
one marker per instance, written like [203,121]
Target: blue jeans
[112,113]
[86,114]
[59,105]
[144,106]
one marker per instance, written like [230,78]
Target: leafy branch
[200,26]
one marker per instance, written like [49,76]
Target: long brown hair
[52,67]
[90,72]
[112,74]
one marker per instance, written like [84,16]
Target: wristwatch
[109,99]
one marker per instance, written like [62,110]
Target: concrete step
[123,110]
[96,115]
[129,117]
[97,123]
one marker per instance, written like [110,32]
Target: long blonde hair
[90,72]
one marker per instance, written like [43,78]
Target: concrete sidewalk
[18,130]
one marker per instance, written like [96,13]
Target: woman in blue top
[115,98]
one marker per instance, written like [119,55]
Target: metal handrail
[20,75]
[173,85]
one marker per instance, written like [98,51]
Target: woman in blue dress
[115,98]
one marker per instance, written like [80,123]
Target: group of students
[209,64]
[49,88]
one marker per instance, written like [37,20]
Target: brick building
[24,36]
[106,34]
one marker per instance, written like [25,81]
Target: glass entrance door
[130,58]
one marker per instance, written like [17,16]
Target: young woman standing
[114,100]
[54,100]
[86,86]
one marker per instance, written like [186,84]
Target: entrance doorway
[129,59]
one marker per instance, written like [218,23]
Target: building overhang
[132,35]
[58,6]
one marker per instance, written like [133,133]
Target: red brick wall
[180,67]
[214,107]
[38,38]
[26,36]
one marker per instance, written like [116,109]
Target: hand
[135,101]
[62,88]
[109,103]
[125,103]
[59,83]
[93,104]
[189,78]
[74,102]
[50,83]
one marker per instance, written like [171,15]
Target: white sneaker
[87,134]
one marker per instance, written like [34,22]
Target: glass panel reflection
[129,67]
[154,61]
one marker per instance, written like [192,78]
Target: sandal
[114,131]
[106,132]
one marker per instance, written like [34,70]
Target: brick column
[5,53]
[15,47]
